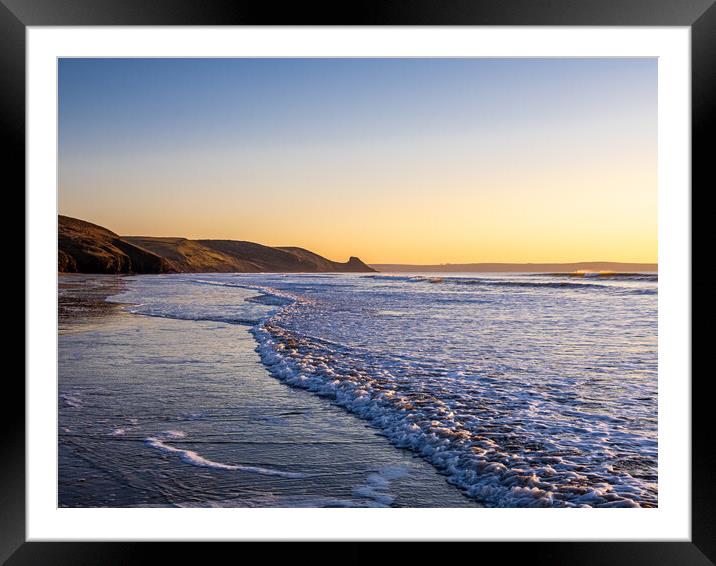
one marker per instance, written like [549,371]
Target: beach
[498,390]
[362,282]
[155,411]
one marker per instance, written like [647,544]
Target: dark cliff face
[88,248]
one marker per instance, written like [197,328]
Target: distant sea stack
[87,248]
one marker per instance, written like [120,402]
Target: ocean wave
[513,283]
[268,300]
[521,399]
[389,277]
[636,276]
[556,285]
[530,284]
[488,453]
[228,319]
[275,296]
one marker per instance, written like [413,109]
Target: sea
[358,390]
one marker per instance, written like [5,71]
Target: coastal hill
[189,256]
[614,266]
[88,248]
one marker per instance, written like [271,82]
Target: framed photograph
[417,273]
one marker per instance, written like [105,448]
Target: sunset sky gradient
[392,160]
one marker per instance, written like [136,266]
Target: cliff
[87,248]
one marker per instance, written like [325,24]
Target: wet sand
[163,412]
[82,299]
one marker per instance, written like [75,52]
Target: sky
[392,160]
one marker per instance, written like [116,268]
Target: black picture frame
[16,15]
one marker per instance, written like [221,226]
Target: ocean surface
[445,390]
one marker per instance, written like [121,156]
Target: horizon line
[519,263]
[381,263]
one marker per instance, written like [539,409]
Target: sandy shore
[163,412]
[82,299]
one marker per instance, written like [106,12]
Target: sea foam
[498,440]
[191,457]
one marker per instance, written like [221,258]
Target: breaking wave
[514,283]
[477,433]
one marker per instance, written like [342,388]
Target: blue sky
[217,147]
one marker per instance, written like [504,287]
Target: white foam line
[191,457]
[486,480]
[72,400]
[378,484]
